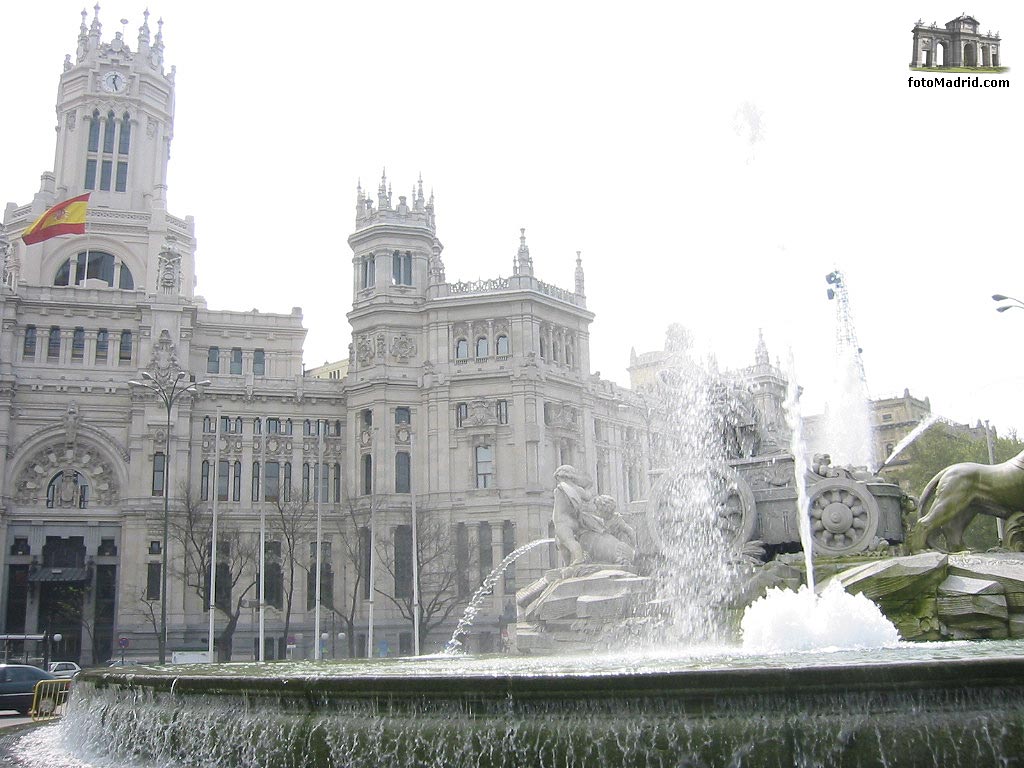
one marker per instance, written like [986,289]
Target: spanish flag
[67,218]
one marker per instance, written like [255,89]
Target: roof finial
[96,27]
[579,273]
[144,29]
[523,259]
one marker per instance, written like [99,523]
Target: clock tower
[115,116]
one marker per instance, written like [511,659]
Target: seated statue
[588,529]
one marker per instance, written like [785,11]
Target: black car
[17,684]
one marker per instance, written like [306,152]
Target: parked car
[17,684]
[64,669]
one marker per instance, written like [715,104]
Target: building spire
[144,31]
[383,196]
[524,263]
[579,273]
[761,353]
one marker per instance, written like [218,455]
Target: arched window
[126,135]
[108,134]
[288,426]
[501,346]
[257,426]
[70,491]
[94,132]
[94,265]
[367,270]
[461,349]
[482,347]
[213,360]
[307,427]
[78,344]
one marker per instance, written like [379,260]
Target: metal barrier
[50,699]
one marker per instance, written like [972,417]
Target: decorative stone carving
[481,413]
[42,467]
[381,345]
[402,347]
[151,126]
[71,422]
[364,350]
[402,434]
[70,119]
[169,268]
[561,415]
[163,363]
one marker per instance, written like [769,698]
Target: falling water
[485,589]
[846,414]
[694,571]
[799,450]
[911,437]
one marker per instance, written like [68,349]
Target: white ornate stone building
[468,394]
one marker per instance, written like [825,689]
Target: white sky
[609,128]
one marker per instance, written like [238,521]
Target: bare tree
[354,543]
[439,572]
[237,555]
[293,522]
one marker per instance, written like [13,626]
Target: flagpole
[261,497]
[415,547]
[317,494]
[373,541]
[213,539]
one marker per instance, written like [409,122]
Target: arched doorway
[970,55]
[941,58]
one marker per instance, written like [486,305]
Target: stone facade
[468,394]
[958,44]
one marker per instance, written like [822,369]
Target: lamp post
[169,390]
[1011,303]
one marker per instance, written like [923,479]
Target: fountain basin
[963,705]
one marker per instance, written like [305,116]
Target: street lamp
[169,390]
[1013,303]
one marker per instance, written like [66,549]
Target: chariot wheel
[844,516]
[731,496]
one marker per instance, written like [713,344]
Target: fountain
[798,692]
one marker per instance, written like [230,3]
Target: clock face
[114,82]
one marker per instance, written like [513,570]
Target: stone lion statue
[958,493]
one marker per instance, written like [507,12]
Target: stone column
[915,58]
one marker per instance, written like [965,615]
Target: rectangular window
[462,558]
[213,360]
[402,474]
[152,581]
[102,345]
[154,547]
[78,344]
[272,480]
[106,170]
[485,552]
[461,414]
[236,481]
[508,545]
[484,466]
[403,415]
[90,174]
[403,561]
[259,362]
[273,426]
[159,469]
[255,481]
[53,344]
[222,480]
[503,411]
[124,352]
[121,181]
[236,361]
[367,418]
[28,347]
[305,482]
[364,561]
[204,485]
[367,474]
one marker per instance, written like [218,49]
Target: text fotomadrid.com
[956,82]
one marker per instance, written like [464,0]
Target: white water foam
[786,621]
